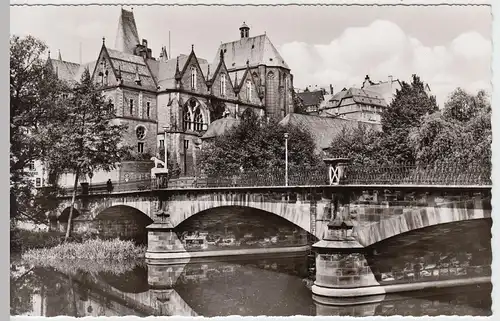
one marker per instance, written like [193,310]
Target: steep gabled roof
[386,89]
[164,71]
[256,50]
[65,70]
[129,65]
[322,129]
[127,37]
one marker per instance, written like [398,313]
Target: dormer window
[249,90]
[193,78]
[223,85]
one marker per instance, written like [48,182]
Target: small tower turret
[244,31]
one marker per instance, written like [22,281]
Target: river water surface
[250,287]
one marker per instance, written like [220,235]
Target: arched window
[223,85]
[198,120]
[106,78]
[193,78]
[187,118]
[249,90]
[140,132]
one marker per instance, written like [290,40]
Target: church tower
[127,37]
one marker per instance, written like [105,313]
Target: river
[248,287]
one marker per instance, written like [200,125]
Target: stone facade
[183,95]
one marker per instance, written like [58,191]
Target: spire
[177,71]
[236,87]
[192,48]
[119,73]
[49,54]
[208,73]
[59,56]
[163,54]
[222,55]
[127,37]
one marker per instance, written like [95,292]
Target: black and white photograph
[251,160]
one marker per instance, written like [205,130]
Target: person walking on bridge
[109,186]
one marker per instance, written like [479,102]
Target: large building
[180,97]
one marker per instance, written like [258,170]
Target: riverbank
[22,240]
[93,249]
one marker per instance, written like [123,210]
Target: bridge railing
[442,174]
[436,174]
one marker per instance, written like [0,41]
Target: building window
[249,90]
[162,143]
[140,147]
[187,118]
[198,120]
[223,85]
[38,182]
[148,109]
[131,105]
[193,78]
[31,166]
[140,132]
[106,78]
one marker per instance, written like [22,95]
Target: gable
[192,63]
[247,80]
[103,73]
[216,82]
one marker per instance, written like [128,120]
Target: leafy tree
[34,95]
[88,139]
[360,144]
[257,145]
[459,134]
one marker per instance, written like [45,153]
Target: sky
[447,46]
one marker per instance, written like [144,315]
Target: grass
[89,250]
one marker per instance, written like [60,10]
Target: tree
[460,134]
[34,95]
[257,145]
[359,144]
[88,139]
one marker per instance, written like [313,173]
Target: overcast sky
[448,46]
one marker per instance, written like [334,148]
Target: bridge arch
[123,221]
[226,227]
[420,218]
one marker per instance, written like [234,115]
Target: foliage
[92,249]
[174,170]
[34,96]
[256,145]
[454,134]
[298,105]
[360,144]
[87,139]
[390,146]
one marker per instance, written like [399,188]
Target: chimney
[331,89]
[145,43]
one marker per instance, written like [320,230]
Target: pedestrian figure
[109,185]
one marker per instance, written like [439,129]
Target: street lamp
[186,146]
[286,159]
[165,128]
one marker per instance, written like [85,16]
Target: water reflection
[258,286]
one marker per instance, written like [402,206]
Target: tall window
[198,120]
[193,78]
[106,78]
[223,85]
[131,105]
[140,147]
[38,182]
[31,166]
[187,118]
[148,109]
[249,90]
[162,143]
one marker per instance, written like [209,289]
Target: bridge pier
[163,243]
[343,275]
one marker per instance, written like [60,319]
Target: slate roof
[220,126]
[359,96]
[385,89]
[127,37]
[311,98]
[322,129]
[65,70]
[129,65]
[164,71]
[257,50]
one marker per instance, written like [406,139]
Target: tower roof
[127,37]
[256,50]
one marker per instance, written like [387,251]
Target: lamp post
[165,128]
[186,146]
[286,159]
